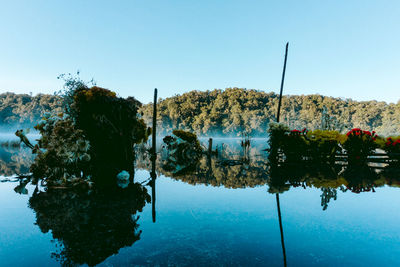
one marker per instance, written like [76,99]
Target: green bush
[188,137]
[295,145]
[359,145]
[94,116]
[323,145]
[62,152]
[276,133]
[392,147]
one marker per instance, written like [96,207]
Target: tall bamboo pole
[282,82]
[277,120]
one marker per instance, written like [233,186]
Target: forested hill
[25,110]
[234,110]
[231,111]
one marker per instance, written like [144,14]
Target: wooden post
[210,141]
[153,159]
[154,154]
[282,82]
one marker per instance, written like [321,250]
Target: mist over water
[7,132]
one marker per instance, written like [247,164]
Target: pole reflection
[281,229]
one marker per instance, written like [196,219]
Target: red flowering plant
[392,147]
[359,145]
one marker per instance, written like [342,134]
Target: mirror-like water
[221,211]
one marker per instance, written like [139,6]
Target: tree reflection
[360,179]
[329,178]
[234,171]
[213,171]
[89,226]
[327,195]
[15,161]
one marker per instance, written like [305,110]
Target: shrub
[323,144]
[277,133]
[392,144]
[295,145]
[94,116]
[359,145]
[62,151]
[111,125]
[185,146]
[392,147]
[187,136]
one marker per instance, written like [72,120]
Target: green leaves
[233,110]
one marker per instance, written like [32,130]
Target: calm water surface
[197,223]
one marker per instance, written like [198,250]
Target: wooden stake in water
[277,195]
[282,82]
[210,141]
[154,123]
[153,174]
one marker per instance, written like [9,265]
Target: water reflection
[15,160]
[278,205]
[153,176]
[89,227]
[230,173]
[21,187]
[234,169]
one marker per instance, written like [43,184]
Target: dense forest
[24,110]
[232,112]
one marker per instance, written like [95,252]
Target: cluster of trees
[232,112]
[235,111]
[24,109]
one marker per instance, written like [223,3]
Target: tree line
[232,112]
[26,110]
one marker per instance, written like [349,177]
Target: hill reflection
[15,160]
[234,169]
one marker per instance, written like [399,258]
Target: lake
[222,211]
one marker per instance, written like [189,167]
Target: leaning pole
[277,120]
[282,82]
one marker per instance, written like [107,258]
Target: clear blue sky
[338,48]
